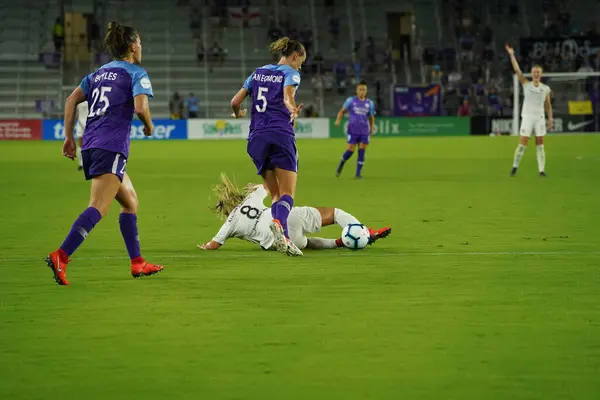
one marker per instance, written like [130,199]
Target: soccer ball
[355,236]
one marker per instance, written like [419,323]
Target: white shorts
[303,220]
[530,125]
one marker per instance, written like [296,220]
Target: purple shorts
[98,162]
[273,150]
[356,139]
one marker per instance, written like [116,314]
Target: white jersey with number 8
[250,221]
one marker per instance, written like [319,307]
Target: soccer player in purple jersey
[361,119]
[114,92]
[271,143]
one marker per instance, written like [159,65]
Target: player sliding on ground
[248,219]
[536,98]
[361,118]
[115,92]
[271,143]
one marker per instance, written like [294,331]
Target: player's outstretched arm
[515,64]
[212,245]
[236,103]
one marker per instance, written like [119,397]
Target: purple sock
[360,162]
[82,226]
[284,206]
[128,224]
[274,210]
[345,158]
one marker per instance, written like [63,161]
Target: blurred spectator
[93,33]
[217,55]
[467,41]
[328,82]
[306,38]
[195,22]
[487,35]
[465,109]
[192,105]
[334,31]
[317,87]
[370,53]
[200,51]
[318,62]
[58,34]
[176,106]
[493,102]
[341,69]
[310,111]
[356,68]
[436,74]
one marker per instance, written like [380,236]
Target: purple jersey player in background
[361,118]
[114,92]
[271,143]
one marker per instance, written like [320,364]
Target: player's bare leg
[127,197]
[287,189]
[345,157]
[541,155]
[519,154]
[272,184]
[330,216]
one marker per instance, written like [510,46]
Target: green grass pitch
[488,286]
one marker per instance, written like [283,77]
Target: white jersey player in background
[536,98]
[82,114]
[249,219]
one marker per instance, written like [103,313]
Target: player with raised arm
[115,92]
[247,218]
[82,114]
[271,143]
[361,119]
[536,98]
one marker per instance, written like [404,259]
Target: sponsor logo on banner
[218,128]
[54,129]
[20,129]
[537,48]
[481,125]
[411,126]
[240,128]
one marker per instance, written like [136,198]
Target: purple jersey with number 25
[110,92]
[265,85]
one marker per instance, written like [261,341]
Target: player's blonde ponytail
[286,47]
[229,195]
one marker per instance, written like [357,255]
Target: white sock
[320,243]
[541,157]
[343,219]
[518,155]
[79,158]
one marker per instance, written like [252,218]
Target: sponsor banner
[164,129]
[537,48]
[482,125]
[20,129]
[414,126]
[232,128]
[417,100]
[580,107]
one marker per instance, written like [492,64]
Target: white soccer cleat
[293,250]
[280,241]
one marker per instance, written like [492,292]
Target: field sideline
[487,288]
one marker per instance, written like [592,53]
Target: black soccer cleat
[513,172]
[543,174]
[80,168]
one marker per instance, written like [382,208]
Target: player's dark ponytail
[286,47]
[118,39]
[363,82]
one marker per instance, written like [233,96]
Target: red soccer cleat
[142,268]
[57,261]
[377,234]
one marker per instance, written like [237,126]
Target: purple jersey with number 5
[110,92]
[265,85]
[359,112]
